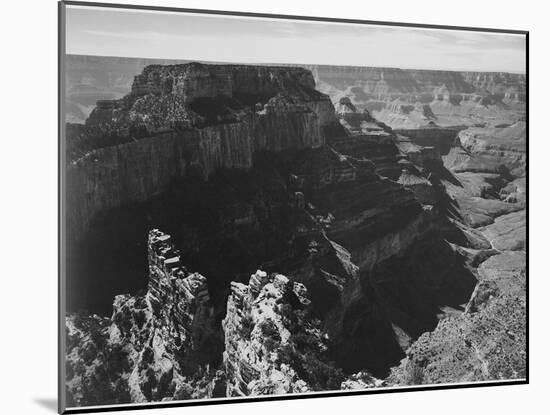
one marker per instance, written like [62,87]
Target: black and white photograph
[266,207]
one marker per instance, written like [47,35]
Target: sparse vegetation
[247,325]
[413,374]
[303,355]
[270,330]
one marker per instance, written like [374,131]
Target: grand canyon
[243,230]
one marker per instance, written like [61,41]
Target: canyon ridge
[242,230]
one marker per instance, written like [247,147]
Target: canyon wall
[92,78]
[387,81]
[154,346]
[411,99]
[286,114]
[370,239]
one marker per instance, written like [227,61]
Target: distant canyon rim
[238,230]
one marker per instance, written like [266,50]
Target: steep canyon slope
[309,246]
[412,99]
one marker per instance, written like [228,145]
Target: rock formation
[188,118]
[412,99]
[272,344]
[154,346]
[331,251]
[488,342]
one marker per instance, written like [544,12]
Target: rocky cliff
[92,78]
[273,345]
[154,346]
[394,81]
[165,344]
[487,342]
[384,254]
[410,99]
[188,118]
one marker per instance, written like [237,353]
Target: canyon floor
[256,230]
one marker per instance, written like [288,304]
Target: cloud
[260,40]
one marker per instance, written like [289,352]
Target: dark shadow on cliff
[224,227]
[367,340]
[399,299]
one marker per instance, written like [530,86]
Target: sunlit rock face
[272,343]
[188,118]
[502,148]
[412,99]
[469,347]
[489,165]
[165,97]
[329,250]
[158,345]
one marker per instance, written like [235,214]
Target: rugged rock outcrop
[420,186]
[489,166]
[93,78]
[442,139]
[488,342]
[487,345]
[366,138]
[155,346]
[272,343]
[502,147]
[412,99]
[381,249]
[457,97]
[188,118]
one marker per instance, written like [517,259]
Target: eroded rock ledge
[155,346]
[187,119]
[365,236]
[165,344]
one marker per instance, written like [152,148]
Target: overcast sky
[149,34]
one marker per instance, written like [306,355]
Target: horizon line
[296,64]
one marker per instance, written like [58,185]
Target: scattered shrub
[321,375]
[413,374]
[139,318]
[247,325]
[270,330]
[270,344]
[302,354]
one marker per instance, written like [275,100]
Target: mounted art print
[261,207]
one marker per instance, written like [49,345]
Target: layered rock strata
[184,119]
[413,99]
[486,191]
[487,342]
[262,353]
[155,346]
[373,231]
[91,78]
[489,166]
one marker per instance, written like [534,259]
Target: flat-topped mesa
[192,117]
[195,80]
[166,97]
[395,81]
